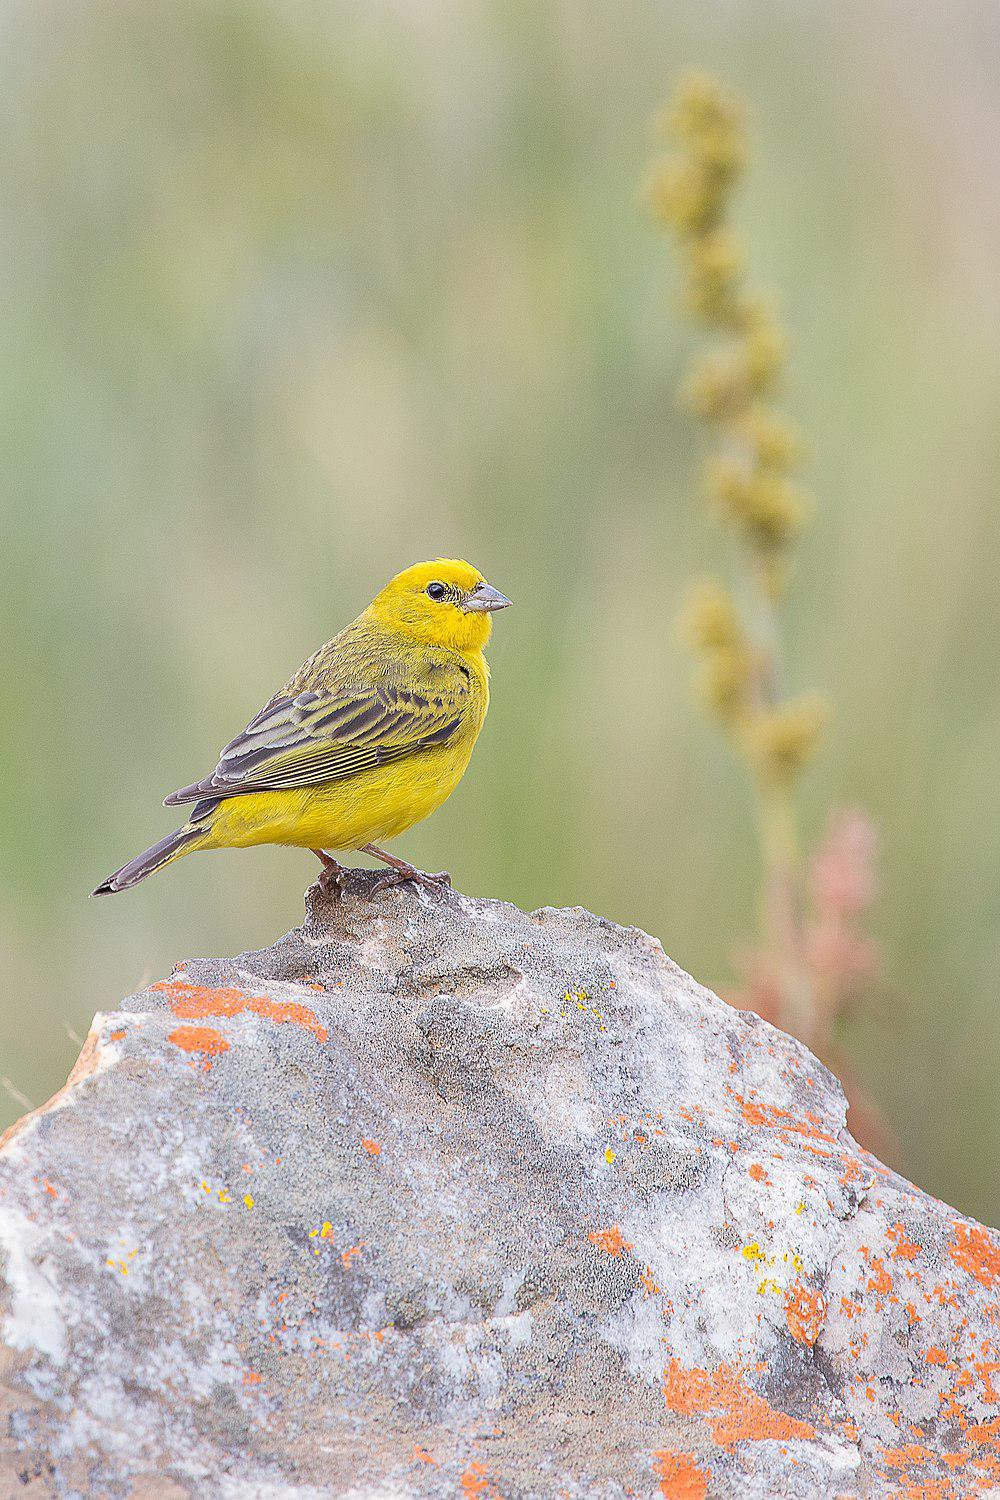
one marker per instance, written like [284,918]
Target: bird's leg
[332,877]
[400,871]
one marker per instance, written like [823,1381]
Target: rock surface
[437,1198]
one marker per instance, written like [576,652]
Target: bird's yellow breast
[362,809]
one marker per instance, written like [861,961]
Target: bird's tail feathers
[150,860]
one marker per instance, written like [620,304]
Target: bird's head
[442,603]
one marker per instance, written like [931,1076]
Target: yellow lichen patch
[121,1264]
[758,1257]
[323,1231]
[222,1195]
[578,1000]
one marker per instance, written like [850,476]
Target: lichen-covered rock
[437,1198]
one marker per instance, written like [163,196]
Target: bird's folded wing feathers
[319,737]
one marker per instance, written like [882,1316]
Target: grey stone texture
[438,1198]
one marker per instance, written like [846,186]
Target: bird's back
[364,654]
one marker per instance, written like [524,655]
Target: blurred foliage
[813,963]
[296,294]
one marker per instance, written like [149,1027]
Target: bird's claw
[436,883]
[333,883]
[332,879]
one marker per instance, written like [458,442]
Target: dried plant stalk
[811,957]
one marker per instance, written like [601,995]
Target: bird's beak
[484,598]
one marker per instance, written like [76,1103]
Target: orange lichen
[880,1280]
[757,1172]
[372,1147]
[116,1036]
[680,1477]
[422,1456]
[773,1117]
[973,1250]
[609,1240]
[193,1001]
[348,1255]
[936,1356]
[734,1411]
[805,1313]
[986,1371]
[211,1044]
[475,1482]
[904,1248]
[753,1114]
[902,1458]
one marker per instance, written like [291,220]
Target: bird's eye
[436,590]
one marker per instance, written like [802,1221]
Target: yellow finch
[367,738]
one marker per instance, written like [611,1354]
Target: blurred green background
[295,294]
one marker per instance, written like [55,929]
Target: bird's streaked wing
[319,737]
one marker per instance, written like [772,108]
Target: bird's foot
[333,877]
[437,883]
[400,871]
